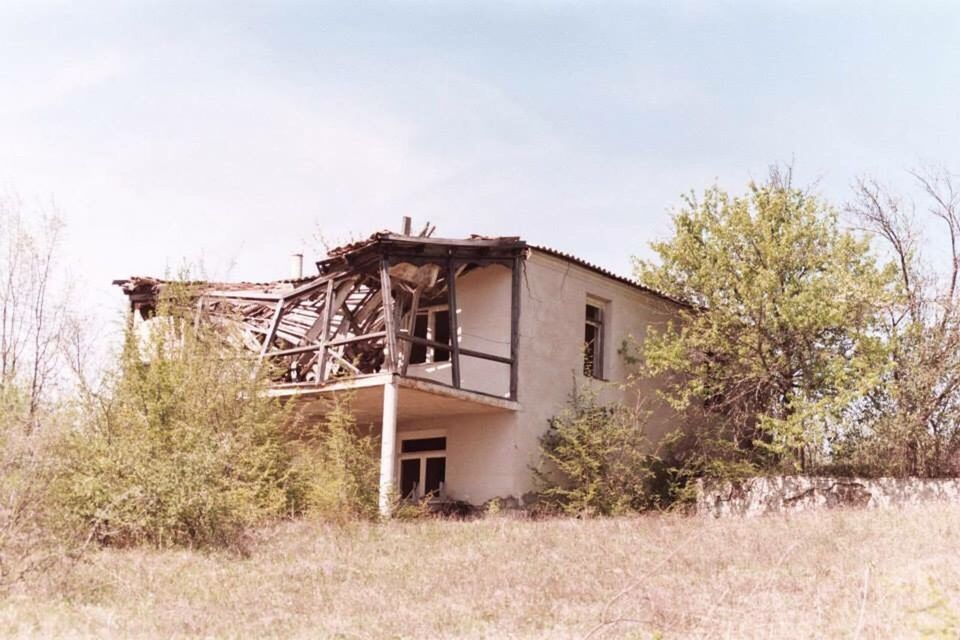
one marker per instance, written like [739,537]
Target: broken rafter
[274,325]
[323,350]
[388,315]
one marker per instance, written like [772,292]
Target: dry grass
[841,574]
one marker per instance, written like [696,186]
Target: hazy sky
[233,131]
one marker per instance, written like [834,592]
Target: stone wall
[779,494]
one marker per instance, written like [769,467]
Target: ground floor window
[423,466]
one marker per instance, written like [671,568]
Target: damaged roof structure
[357,316]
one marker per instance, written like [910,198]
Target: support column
[388,445]
[454,331]
[515,327]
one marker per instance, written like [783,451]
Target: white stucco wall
[483,320]
[490,456]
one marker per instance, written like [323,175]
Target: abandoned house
[457,351]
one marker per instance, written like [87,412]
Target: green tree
[778,339]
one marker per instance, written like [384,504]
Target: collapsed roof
[349,319]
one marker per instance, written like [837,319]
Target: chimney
[296,266]
[407,225]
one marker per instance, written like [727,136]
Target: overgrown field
[840,574]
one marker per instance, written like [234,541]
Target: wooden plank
[332,343]
[360,319]
[288,336]
[352,339]
[320,328]
[473,392]
[305,314]
[293,324]
[311,286]
[328,309]
[454,338]
[505,242]
[274,325]
[470,353]
[515,327]
[241,294]
[346,363]
[420,259]
[289,295]
[390,359]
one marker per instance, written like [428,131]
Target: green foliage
[409,510]
[184,448]
[779,339]
[32,539]
[596,459]
[340,464]
[910,423]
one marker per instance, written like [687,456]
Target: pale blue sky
[232,131]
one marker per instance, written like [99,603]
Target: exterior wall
[490,456]
[483,319]
[479,451]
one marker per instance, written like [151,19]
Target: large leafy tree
[778,340]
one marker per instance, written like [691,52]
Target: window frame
[430,352]
[597,369]
[422,456]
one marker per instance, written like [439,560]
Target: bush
[596,459]
[31,538]
[185,447]
[340,465]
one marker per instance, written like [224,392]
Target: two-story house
[457,351]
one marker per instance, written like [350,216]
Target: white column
[388,444]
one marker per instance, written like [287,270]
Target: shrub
[30,539]
[185,446]
[340,464]
[596,459]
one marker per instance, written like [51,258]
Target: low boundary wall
[780,494]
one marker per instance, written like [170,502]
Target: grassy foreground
[840,574]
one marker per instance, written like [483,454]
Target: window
[593,341]
[423,467]
[431,324]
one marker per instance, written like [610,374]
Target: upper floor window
[431,324]
[593,340]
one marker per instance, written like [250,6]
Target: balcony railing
[358,316]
